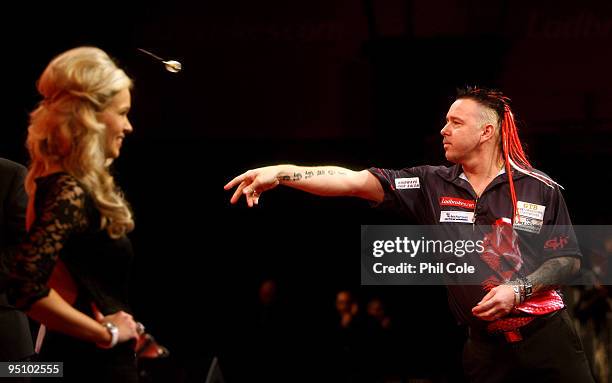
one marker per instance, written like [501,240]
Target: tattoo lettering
[297,176]
[331,172]
[308,174]
[320,172]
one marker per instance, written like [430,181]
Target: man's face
[463,130]
[343,302]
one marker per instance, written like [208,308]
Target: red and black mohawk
[514,155]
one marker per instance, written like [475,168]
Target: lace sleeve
[60,213]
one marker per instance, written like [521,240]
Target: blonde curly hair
[64,130]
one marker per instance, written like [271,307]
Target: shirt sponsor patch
[407,183]
[532,210]
[530,217]
[457,216]
[458,202]
[528,224]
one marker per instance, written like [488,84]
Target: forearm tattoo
[553,272]
[307,174]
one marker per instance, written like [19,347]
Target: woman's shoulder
[60,184]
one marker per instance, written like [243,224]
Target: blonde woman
[77,214]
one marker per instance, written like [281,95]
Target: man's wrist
[518,285]
[517,295]
[523,289]
[286,173]
[527,288]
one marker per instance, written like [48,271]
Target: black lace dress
[68,226]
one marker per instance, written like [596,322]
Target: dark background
[352,83]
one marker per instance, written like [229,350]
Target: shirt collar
[501,171]
[454,172]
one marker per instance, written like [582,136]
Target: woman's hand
[128,328]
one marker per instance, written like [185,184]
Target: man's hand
[253,183]
[496,304]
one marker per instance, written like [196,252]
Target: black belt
[513,336]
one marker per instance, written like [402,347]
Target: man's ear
[488,132]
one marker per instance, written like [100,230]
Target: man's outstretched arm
[329,181]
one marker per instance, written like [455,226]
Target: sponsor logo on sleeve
[556,242]
[458,202]
[407,183]
[457,216]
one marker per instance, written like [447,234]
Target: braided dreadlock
[514,155]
